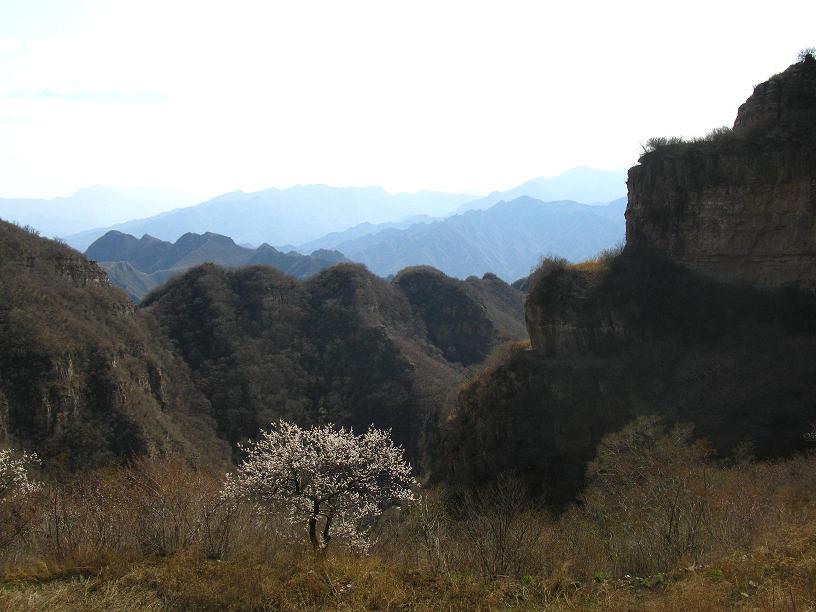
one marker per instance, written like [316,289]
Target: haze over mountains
[285,216]
[508,239]
[306,213]
[582,184]
[91,207]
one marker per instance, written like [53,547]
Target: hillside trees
[334,481]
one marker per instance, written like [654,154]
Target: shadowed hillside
[344,346]
[217,354]
[84,379]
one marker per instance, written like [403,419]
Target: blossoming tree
[15,487]
[334,482]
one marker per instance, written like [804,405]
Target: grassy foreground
[662,525]
[773,576]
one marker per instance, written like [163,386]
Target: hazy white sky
[208,97]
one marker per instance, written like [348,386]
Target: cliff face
[83,380]
[787,99]
[740,206]
[708,315]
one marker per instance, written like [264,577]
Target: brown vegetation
[661,526]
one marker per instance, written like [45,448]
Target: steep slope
[286,216]
[344,346]
[582,184]
[83,379]
[657,329]
[455,314]
[139,265]
[508,239]
[740,206]
[135,283]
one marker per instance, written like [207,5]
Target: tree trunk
[313,526]
[326,535]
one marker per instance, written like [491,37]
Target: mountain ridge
[508,239]
[138,265]
[582,184]
[284,216]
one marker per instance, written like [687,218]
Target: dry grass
[600,262]
[758,551]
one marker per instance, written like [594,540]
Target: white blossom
[14,479]
[327,478]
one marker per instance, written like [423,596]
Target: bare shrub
[170,500]
[501,527]
[719,133]
[660,142]
[154,506]
[87,516]
[650,493]
[602,261]
[548,264]
[806,54]
[431,523]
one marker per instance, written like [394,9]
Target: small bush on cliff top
[804,54]
[716,136]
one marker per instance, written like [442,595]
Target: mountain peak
[786,99]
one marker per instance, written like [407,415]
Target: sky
[208,97]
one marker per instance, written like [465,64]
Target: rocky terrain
[707,315]
[84,380]
[741,205]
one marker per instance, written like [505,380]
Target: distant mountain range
[305,214]
[139,265]
[91,207]
[330,241]
[507,239]
[583,184]
[285,216]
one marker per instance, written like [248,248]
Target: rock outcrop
[740,205]
[707,316]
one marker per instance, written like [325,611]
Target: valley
[550,397]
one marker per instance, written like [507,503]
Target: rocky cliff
[83,378]
[739,205]
[707,316]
